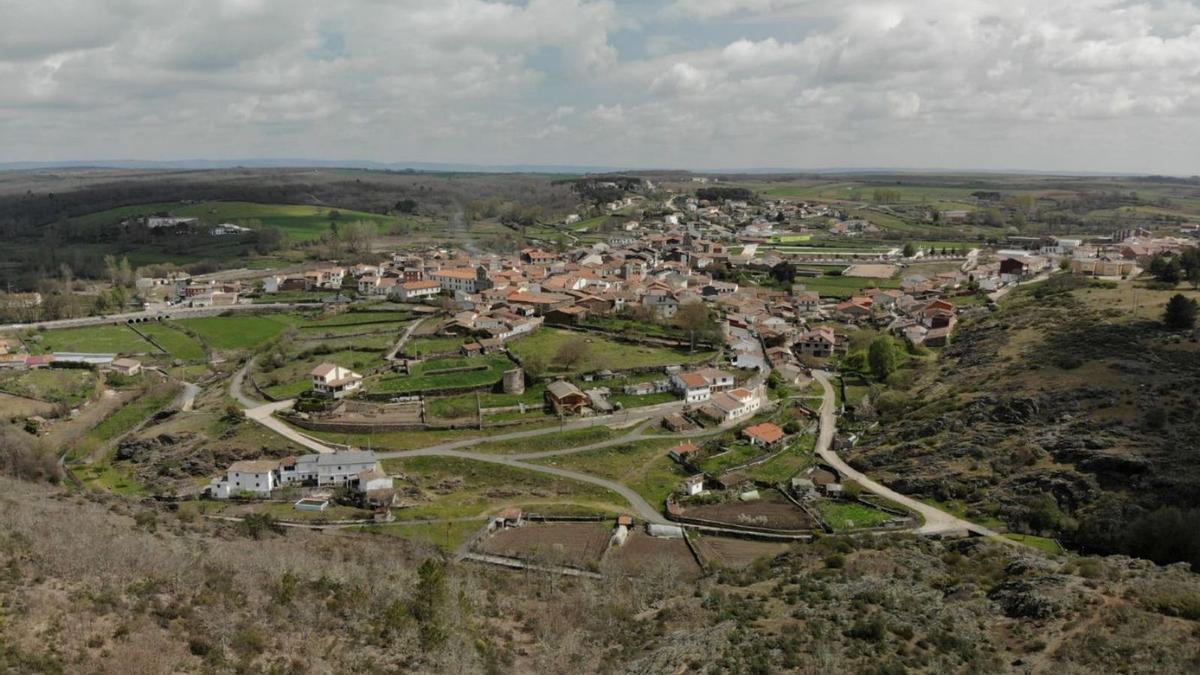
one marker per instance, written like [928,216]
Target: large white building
[333,380]
[255,477]
[357,468]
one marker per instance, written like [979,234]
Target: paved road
[404,339]
[995,296]
[936,520]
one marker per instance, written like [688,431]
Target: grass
[69,386]
[491,373]
[396,440]
[433,345]
[601,354]
[103,474]
[642,465]
[737,453]
[785,465]
[293,377]
[463,405]
[445,536]
[1042,543]
[850,515]
[560,441]
[300,222]
[178,344]
[238,332]
[462,488]
[631,401]
[844,287]
[110,339]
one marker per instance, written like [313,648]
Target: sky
[1045,85]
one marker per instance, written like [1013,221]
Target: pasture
[238,332]
[299,222]
[444,374]
[600,353]
[110,339]
[177,343]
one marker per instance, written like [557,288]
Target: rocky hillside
[1060,414]
[101,584]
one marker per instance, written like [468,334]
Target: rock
[1032,598]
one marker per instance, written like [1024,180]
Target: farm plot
[113,339]
[596,352]
[870,271]
[178,344]
[238,332]
[68,386]
[641,553]
[770,513]
[434,345]
[571,544]
[445,374]
[355,323]
[851,515]
[737,553]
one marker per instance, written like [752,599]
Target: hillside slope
[101,584]
[1063,413]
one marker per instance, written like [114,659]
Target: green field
[238,332]
[434,345]
[418,380]
[601,353]
[642,465]
[300,222]
[446,536]
[110,339]
[292,378]
[844,287]
[560,441]
[69,386]
[178,344]
[471,488]
[850,515]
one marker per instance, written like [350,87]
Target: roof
[561,389]
[323,369]
[418,285]
[126,363]
[685,448]
[693,380]
[766,432]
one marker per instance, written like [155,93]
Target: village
[696,366]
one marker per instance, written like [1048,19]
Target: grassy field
[850,515]
[844,287]
[239,332]
[178,344]
[68,386]
[601,353]
[433,345]
[559,441]
[300,222]
[114,339]
[1042,543]
[445,536]
[788,463]
[354,323]
[293,377]
[418,380]
[642,465]
[467,488]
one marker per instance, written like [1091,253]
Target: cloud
[1095,84]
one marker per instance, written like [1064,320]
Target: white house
[333,380]
[694,485]
[733,405]
[334,468]
[257,477]
[693,386]
[415,290]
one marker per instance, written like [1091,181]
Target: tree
[1181,313]
[881,357]
[1167,269]
[572,352]
[695,318]
[426,606]
[784,272]
[909,250]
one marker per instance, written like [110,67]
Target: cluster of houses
[356,470]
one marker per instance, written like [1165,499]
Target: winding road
[937,521]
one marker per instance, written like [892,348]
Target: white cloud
[1099,84]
